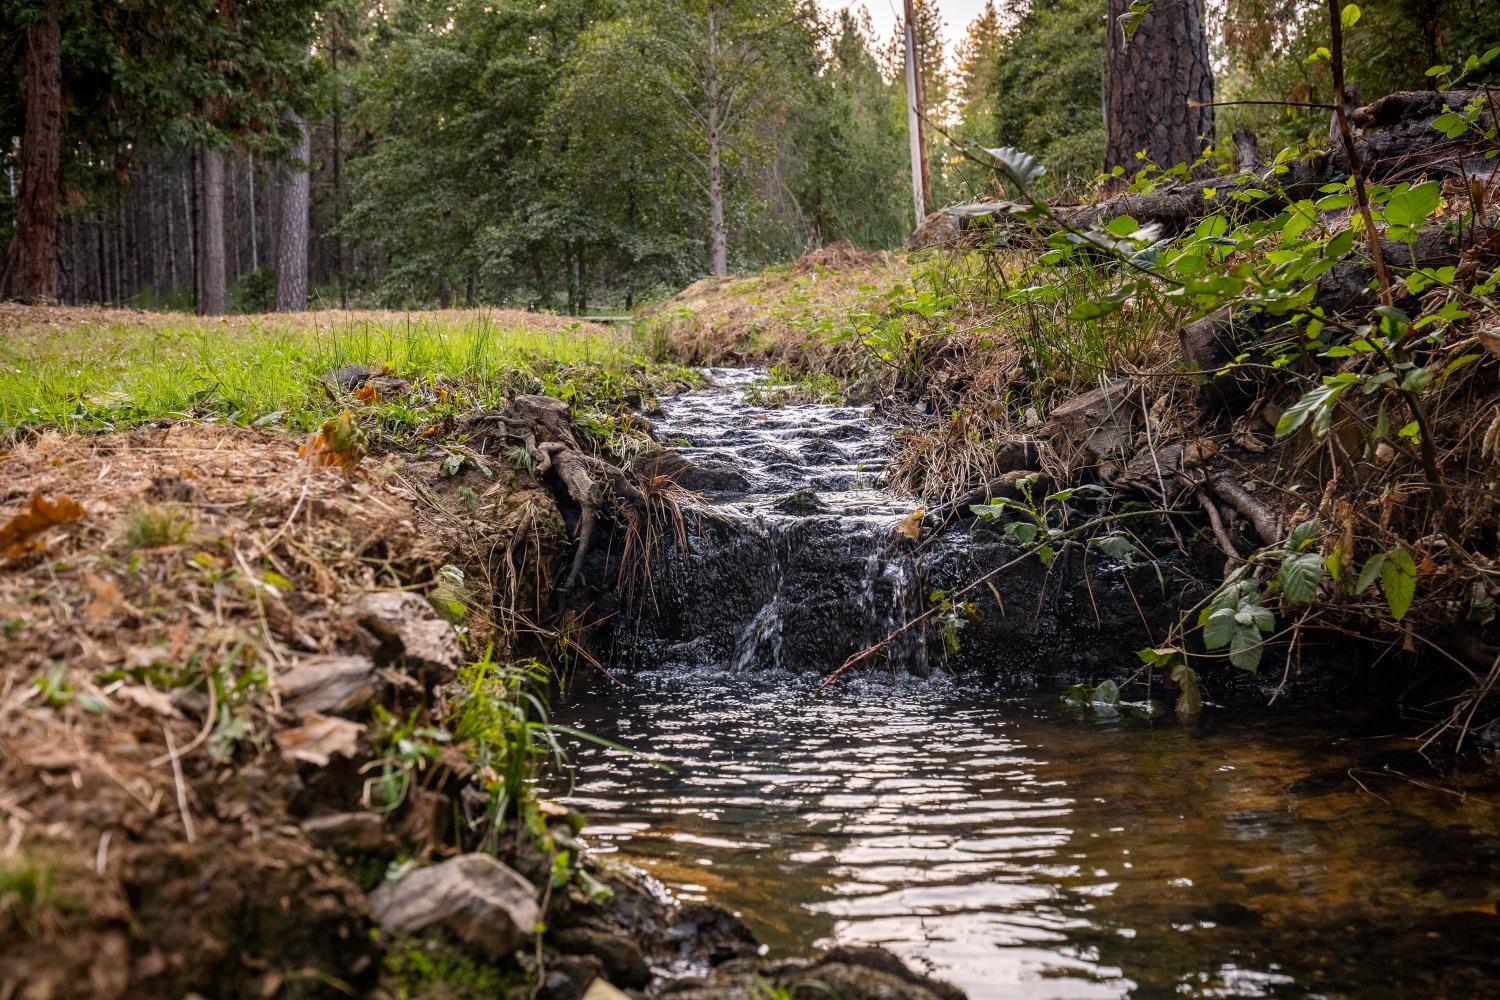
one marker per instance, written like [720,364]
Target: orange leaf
[911,524]
[340,443]
[35,518]
[368,395]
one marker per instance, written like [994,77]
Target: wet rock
[349,833]
[408,628]
[476,898]
[801,502]
[847,973]
[329,684]
[569,977]
[622,958]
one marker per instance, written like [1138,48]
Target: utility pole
[916,118]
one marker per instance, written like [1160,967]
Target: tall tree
[1046,87]
[213,283]
[1159,84]
[292,223]
[31,271]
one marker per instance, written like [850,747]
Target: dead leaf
[368,394]
[911,524]
[150,699]
[340,443]
[36,517]
[1490,339]
[108,601]
[319,739]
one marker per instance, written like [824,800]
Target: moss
[430,970]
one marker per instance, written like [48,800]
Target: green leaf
[1398,579]
[1299,577]
[1319,399]
[1219,629]
[1107,693]
[1165,657]
[1349,16]
[1304,535]
[1245,648]
[1086,311]
[1320,54]
[1367,575]
[451,464]
[1122,226]
[1410,207]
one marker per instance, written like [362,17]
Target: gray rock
[480,901]
[348,378]
[409,627]
[330,684]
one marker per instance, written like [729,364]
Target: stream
[994,837]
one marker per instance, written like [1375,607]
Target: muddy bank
[244,750]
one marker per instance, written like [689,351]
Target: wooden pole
[914,125]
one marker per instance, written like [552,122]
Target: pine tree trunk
[213,291]
[1150,78]
[31,273]
[717,235]
[291,229]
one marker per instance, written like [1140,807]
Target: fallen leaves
[911,525]
[319,739]
[340,444]
[18,534]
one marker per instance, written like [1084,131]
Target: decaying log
[1395,137]
[540,425]
[1265,521]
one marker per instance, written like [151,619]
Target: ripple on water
[1020,853]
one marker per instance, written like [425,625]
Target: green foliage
[1047,84]
[156,526]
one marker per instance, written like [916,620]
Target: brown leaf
[36,517]
[341,443]
[911,524]
[107,602]
[319,739]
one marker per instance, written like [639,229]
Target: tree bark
[213,286]
[31,273]
[291,229]
[718,236]
[1150,79]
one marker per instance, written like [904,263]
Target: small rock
[388,385]
[803,501]
[623,961]
[485,904]
[319,739]
[349,833]
[600,990]
[329,684]
[348,378]
[410,628]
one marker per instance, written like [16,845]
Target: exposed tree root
[541,428]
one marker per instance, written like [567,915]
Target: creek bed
[1020,850]
[999,841]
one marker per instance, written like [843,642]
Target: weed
[156,526]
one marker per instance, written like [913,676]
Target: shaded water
[998,842]
[1019,851]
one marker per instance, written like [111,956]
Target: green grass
[271,370]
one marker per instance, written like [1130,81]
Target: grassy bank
[90,370]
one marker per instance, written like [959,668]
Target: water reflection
[1021,853]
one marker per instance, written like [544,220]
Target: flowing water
[1004,843]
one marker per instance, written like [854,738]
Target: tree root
[541,428]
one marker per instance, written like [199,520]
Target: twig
[182,803]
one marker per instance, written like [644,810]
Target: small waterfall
[792,561]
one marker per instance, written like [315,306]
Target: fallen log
[1395,141]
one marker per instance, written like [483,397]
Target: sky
[886,13]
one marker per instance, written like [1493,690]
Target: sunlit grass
[103,375]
